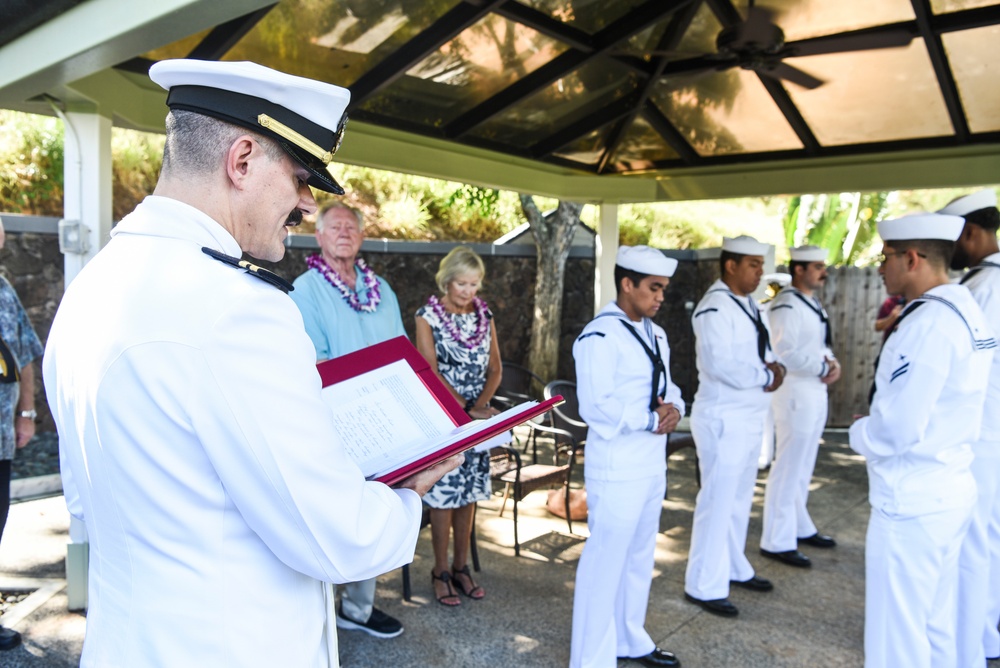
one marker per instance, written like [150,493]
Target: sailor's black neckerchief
[978,268]
[819,311]
[659,369]
[977,344]
[910,308]
[763,338]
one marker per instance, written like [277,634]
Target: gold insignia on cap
[282,130]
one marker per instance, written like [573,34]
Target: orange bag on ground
[577,503]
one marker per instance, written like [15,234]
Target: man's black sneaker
[379,624]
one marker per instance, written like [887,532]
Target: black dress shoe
[790,557]
[756,583]
[718,606]
[819,540]
[9,639]
[658,657]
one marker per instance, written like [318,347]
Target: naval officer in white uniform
[930,384]
[736,372]
[194,441]
[979,562]
[802,340]
[629,404]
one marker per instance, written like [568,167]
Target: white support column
[87,183]
[605,250]
[87,199]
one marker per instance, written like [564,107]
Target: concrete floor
[813,617]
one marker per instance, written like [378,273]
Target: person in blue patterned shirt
[19,347]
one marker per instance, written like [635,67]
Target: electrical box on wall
[74,237]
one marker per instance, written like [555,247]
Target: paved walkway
[813,617]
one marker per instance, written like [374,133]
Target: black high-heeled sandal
[476,593]
[446,578]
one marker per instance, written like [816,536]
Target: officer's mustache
[294,218]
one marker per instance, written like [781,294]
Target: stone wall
[34,265]
[508,289]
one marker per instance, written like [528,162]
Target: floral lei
[368,279]
[448,321]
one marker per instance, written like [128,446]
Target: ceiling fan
[758,44]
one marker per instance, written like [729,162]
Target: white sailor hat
[645,260]
[963,206]
[744,245]
[780,277]
[808,254]
[921,226]
[305,117]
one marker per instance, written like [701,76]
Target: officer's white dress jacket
[930,385]
[614,379]
[798,337]
[731,375]
[217,496]
[984,283]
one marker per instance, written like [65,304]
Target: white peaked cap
[744,245]
[781,278]
[645,260]
[305,117]
[921,226]
[984,199]
[809,254]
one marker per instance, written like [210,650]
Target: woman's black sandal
[446,578]
[476,593]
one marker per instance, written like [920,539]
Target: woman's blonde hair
[461,260]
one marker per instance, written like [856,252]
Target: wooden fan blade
[759,26]
[858,40]
[710,62]
[657,53]
[793,74]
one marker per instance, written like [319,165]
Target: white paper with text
[386,418]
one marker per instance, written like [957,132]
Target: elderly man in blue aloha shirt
[19,347]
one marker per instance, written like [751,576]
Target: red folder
[373,357]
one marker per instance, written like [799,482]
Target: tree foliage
[31,164]
[843,223]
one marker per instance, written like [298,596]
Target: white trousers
[767,443]
[911,589]
[357,600]
[799,417]
[616,571]
[727,455]
[979,565]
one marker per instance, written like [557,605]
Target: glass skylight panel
[587,15]
[574,97]
[586,150]
[483,60]
[872,96]
[802,19]
[945,6]
[336,42]
[641,148]
[721,113]
[973,56]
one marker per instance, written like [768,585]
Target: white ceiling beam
[98,34]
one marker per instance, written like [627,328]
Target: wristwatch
[31,415]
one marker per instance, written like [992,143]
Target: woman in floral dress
[457,336]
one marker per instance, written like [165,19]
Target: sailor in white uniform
[736,372]
[927,403]
[979,562]
[802,340]
[775,282]
[193,437]
[629,404]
